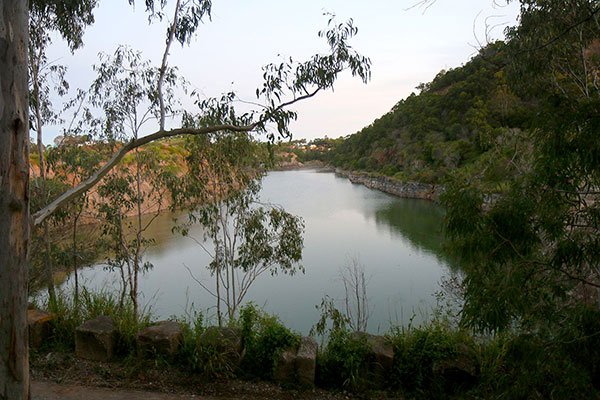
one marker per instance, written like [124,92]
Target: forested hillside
[466,121]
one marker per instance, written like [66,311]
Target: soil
[63,376]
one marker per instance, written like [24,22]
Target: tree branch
[45,212]
[163,66]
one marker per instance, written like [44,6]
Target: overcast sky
[406,45]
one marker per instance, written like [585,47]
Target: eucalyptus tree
[532,257]
[68,18]
[71,164]
[243,237]
[126,92]
[286,83]
[45,17]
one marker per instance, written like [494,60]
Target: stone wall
[413,190]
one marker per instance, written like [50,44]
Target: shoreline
[385,184]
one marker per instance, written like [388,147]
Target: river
[397,240]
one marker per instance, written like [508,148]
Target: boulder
[226,340]
[459,371]
[298,365]
[163,339]
[306,361]
[39,324]
[285,367]
[95,339]
[379,359]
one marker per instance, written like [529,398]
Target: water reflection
[398,241]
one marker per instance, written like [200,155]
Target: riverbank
[297,165]
[386,184]
[250,359]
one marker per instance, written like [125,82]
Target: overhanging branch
[45,212]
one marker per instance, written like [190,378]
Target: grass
[512,365]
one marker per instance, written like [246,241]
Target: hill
[466,122]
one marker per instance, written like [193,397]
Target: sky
[407,44]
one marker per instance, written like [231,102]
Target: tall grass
[69,314]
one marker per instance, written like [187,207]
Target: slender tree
[286,83]
[69,19]
[243,237]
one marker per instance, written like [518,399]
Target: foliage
[416,350]
[246,238]
[43,249]
[68,315]
[200,356]
[264,338]
[531,254]
[467,123]
[340,359]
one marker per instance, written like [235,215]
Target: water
[397,240]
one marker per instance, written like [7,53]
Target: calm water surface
[397,240]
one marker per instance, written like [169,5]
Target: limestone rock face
[412,190]
[40,327]
[163,338]
[95,339]
[298,365]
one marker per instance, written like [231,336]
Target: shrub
[416,350]
[197,356]
[525,366]
[265,337]
[339,365]
[340,361]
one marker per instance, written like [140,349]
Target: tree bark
[14,199]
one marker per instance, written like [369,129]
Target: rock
[226,340]
[459,371]
[379,360]
[40,327]
[306,361]
[285,367]
[298,365]
[95,339]
[163,338]
[415,190]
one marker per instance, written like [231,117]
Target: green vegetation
[68,315]
[467,123]
[264,338]
[434,361]
[513,134]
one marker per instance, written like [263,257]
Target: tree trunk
[44,193]
[75,257]
[14,200]
[48,275]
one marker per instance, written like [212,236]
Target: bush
[197,356]
[340,363]
[524,366]
[416,350]
[265,337]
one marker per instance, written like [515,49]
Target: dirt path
[52,391]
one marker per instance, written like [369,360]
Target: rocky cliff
[413,190]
